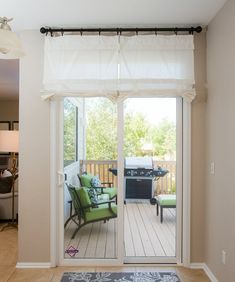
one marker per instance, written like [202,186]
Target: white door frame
[56,190]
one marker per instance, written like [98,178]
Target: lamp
[9,142]
[10,46]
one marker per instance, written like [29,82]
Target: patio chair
[90,181]
[88,212]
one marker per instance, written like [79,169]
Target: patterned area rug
[120,277]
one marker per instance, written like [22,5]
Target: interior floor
[9,257]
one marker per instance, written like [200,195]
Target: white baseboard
[204,266]
[210,274]
[33,265]
[196,265]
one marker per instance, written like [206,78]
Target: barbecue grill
[139,174]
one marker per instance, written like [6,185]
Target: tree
[101,133]
[70,125]
[137,132]
[164,140]
[101,130]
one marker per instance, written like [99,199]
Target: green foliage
[70,126]
[137,133]
[101,133]
[101,130]
[164,140]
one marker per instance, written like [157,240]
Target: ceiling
[30,14]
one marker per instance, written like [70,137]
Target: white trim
[186,182]
[197,265]
[209,273]
[90,262]
[120,176]
[150,260]
[53,202]
[33,265]
[207,270]
[60,186]
[179,179]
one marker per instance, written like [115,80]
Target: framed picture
[15,125]
[5,125]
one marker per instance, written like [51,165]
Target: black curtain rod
[118,30]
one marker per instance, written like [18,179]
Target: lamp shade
[10,46]
[9,141]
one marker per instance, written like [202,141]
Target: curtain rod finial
[198,29]
[43,30]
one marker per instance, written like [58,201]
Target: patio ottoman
[165,201]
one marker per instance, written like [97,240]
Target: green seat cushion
[101,213]
[103,198]
[86,180]
[112,192]
[167,200]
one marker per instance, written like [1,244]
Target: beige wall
[34,227]
[34,177]
[9,110]
[198,151]
[220,187]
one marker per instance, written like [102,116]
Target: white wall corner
[207,270]
[33,265]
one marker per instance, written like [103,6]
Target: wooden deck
[144,235]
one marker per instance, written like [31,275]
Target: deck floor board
[144,234]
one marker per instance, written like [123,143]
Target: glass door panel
[90,154]
[150,179]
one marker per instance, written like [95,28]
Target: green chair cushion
[84,197]
[112,192]
[167,200]
[101,213]
[103,198]
[86,180]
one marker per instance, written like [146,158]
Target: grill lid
[138,162]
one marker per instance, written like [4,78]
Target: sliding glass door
[121,197]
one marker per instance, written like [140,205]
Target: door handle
[60,175]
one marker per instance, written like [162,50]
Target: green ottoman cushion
[167,200]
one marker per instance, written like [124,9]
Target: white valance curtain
[97,65]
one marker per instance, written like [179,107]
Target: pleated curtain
[140,65]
